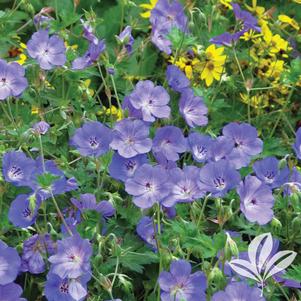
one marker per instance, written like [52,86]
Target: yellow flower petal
[288,20]
[209,79]
[188,72]
[205,73]
[146,6]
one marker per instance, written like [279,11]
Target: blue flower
[170,142]
[130,138]
[72,259]
[17,168]
[10,263]
[176,79]
[124,168]
[21,212]
[218,178]
[92,139]
[48,51]
[268,171]
[180,284]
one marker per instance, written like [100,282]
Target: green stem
[98,281]
[282,110]
[107,92]
[42,153]
[158,245]
[116,95]
[60,213]
[10,113]
[5,112]
[115,272]
[245,82]
[283,291]
[202,210]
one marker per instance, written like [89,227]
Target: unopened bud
[216,276]
[296,224]
[249,84]
[283,162]
[106,283]
[276,224]
[47,10]
[231,248]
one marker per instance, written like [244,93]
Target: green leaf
[180,40]
[294,273]
[46,180]
[135,261]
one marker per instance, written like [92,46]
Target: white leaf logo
[263,262]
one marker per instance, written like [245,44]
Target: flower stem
[10,113]
[116,95]
[202,210]
[108,93]
[116,271]
[282,110]
[5,112]
[60,213]
[245,82]
[42,153]
[158,245]
[283,291]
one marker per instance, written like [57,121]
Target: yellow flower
[35,110]
[184,64]
[188,71]
[288,20]
[115,112]
[48,85]
[283,89]
[256,101]
[275,69]
[85,86]
[214,65]
[226,3]
[250,35]
[148,7]
[297,1]
[72,47]
[22,57]
[275,43]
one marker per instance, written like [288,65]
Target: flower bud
[32,202]
[249,84]
[283,162]
[276,224]
[231,248]
[47,10]
[106,283]
[216,276]
[296,224]
[111,70]
[28,7]
[295,197]
[227,213]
